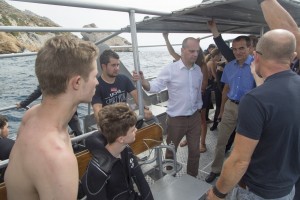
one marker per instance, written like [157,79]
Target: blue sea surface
[18,80]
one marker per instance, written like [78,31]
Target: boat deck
[176,187]
[206,158]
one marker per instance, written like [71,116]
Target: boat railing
[92,5]
[12,55]
[95,5]
[3,163]
[8,108]
[74,140]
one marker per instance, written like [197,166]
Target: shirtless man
[42,164]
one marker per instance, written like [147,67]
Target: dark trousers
[74,124]
[218,98]
[297,190]
[189,126]
[230,141]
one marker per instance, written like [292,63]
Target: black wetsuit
[110,178]
[5,148]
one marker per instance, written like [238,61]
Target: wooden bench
[147,138]
[83,159]
[3,194]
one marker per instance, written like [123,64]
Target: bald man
[185,100]
[265,162]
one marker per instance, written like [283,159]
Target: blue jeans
[239,193]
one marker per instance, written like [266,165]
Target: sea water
[18,80]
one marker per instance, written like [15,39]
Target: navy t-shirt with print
[107,93]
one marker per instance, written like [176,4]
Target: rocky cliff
[115,41]
[15,42]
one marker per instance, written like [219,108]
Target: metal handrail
[94,5]
[53,29]
[4,163]
[81,137]
[8,108]
[119,47]
[11,55]
[108,37]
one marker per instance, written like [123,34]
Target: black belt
[234,101]
[243,185]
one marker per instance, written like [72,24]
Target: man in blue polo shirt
[238,81]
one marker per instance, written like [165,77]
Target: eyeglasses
[258,52]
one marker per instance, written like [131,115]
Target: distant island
[17,42]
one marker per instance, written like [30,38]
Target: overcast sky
[78,17]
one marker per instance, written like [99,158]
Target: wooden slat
[147,138]
[3,194]
[83,159]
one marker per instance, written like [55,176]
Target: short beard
[112,76]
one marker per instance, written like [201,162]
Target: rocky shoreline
[17,42]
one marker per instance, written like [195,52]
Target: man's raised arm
[278,18]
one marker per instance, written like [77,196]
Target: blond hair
[61,58]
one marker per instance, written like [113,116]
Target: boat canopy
[231,16]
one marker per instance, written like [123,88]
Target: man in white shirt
[183,80]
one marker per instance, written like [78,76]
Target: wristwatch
[218,193]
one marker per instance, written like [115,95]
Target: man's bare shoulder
[60,169]
[45,161]
[55,149]
[41,147]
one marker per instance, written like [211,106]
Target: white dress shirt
[184,88]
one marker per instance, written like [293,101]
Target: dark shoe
[208,121]
[211,177]
[214,126]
